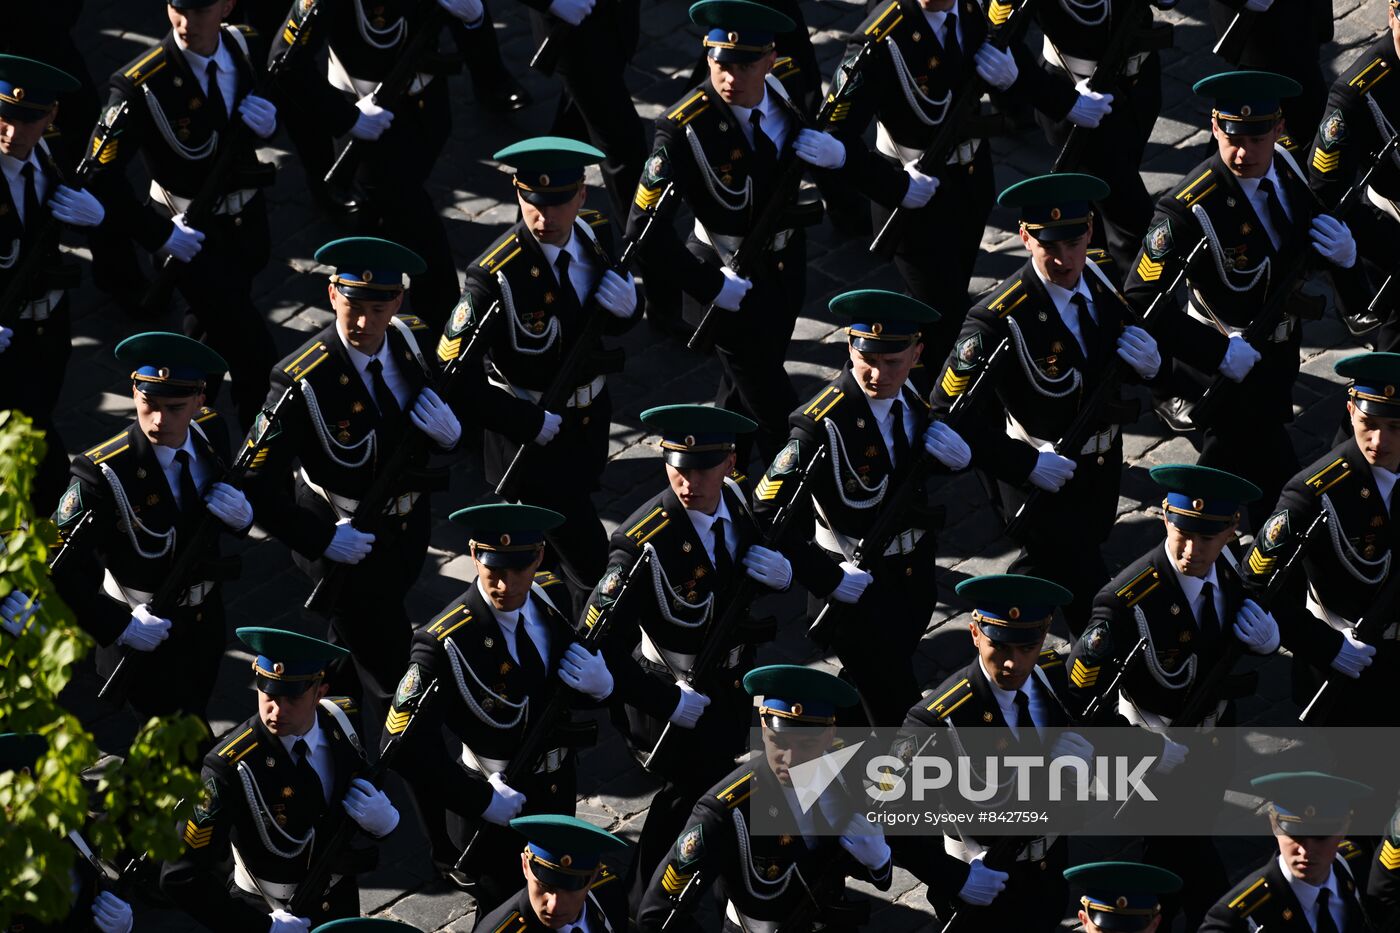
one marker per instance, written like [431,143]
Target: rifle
[744,591]
[682,905]
[431,18]
[894,513]
[410,452]
[194,552]
[1096,705]
[103,150]
[553,720]
[1275,304]
[758,241]
[341,829]
[1370,629]
[1230,45]
[1104,394]
[566,377]
[61,558]
[950,131]
[546,57]
[235,138]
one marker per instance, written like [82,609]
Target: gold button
[1042,865]
[403,526]
[736,685]
[39,330]
[238,221]
[422,105]
[325,905]
[908,571]
[586,419]
[554,788]
[199,616]
[780,265]
[1099,461]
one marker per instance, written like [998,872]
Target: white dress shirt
[199,471]
[582,273]
[581,925]
[393,376]
[509,623]
[228,73]
[776,125]
[1385,483]
[1307,896]
[938,22]
[704,524]
[12,167]
[1006,699]
[1260,202]
[1193,589]
[880,408]
[1061,298]
[320,755]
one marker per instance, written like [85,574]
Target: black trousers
[31,378]
[1032,902]
[192,653]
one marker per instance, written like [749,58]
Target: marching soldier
[1251,203]
[1122,897]
[270,783]
[543,271]
[147,489]
[873,423]
[496,652]
[400,146]
[1186,597]
[181,98]
[35,333]
[1014,684]
[1383,884]
[567,885]
[927,54]
[1065,322]
[723,146]
[1309,886]
[764,878]
[1285,38]
[361,384]
[700,536]
[1346,570]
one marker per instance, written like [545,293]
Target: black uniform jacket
[605,910]
[1352,131]
[1264,901]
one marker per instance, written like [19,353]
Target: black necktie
[762,143]
[31,200]
[189,492]
[1278,219]
[531,665]
[724,563]
[901,440]
[561,263]
[307,777]
[1325,923]
[1089,330]
[390,415]
[1026,735]
[1209,619]
[214,96]
[952,51]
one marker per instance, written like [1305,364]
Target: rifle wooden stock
[894,513]
[567,376]
[189,557]
[1116,53]
[950,131]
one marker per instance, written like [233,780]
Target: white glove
[16,610]
[1072,745]
[1256,628]
[572,12]
[1333,241]
[6,335]
[258,114]
[1173,756]
[229,506]
[689,707]
[768,567]
[732,292]
[550,429]
[285,922]
[506,802]
[852,585]
[111,914]
[76,207]
[435,418]
[145,630]
[468,11]
[983,884]
[996,67]
[1354,657]
[618,295]
[372,121]
[947,446]
[1139,350]
[184,242]
[1258,6]
[1051,471]
[586,672]
[1091,107]
[866,843]
[820,149]
[1239,359]
[350,545]
[921,188]
[370,808]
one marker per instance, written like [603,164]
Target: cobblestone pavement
[96,402]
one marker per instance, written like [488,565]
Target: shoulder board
[1100,257]
[206,415]
[605,875]
[943,706]
[1255,893]
[736,793]
[244,28]
[883,22]
[646,529]
[1367,77]
[413,321]
[499,253]
[515,923]
[1348,849]
[307,359]
[235,748]
[1288,142]
[449,621]
[347,704]
[1388,856]
[108,449]
[1139,586]
[822,403]
[593,218]
[1197,188]
[688,109]
[785,67]
[1329,476]
[1050,658]
[1007,301]
[737,476]
[546,578]
[147,64]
